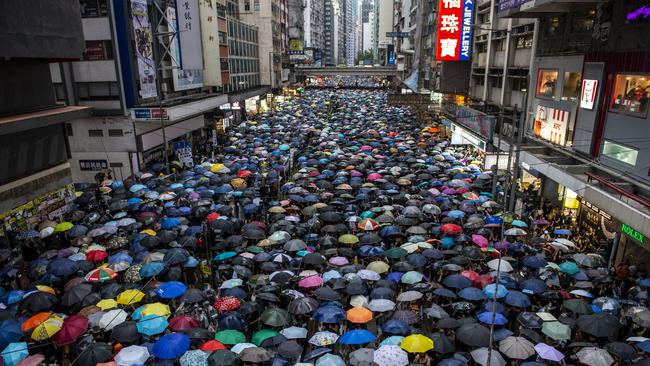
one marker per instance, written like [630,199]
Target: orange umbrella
[359,315]
[35,321]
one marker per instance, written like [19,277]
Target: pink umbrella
[292,218]
[356,173]
[480,240]
[366,148]
[449,191]
[311,282]
[32,360]
[374,176]
[339,261]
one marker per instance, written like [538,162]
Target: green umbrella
[411,277]
[396,252]
[262,335]
[275,317]
[225,255]
[348,239]
[367,215]
[63,226]
[556,330]
[578,306]
[230,336]
[254,249]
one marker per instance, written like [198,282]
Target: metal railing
[622,192]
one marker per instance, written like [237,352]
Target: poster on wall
[144,49]
[588,94]
[183,151]
[454,30]
[182,77]
[189,34]
[551,124]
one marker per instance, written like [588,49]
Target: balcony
[539,8]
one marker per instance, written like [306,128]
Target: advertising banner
[454,30]
[510,4]
[551,124]
[588,94]
[144,49]
[184,153]
[189,34]
[94,51]
[475,121]
[183,77]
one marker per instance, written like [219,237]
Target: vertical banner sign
[184,153]
[144,49]
[588,94]
[182,77]
[551,124]
[189,34]
[454,34]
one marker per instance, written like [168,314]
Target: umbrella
[152,324]
[223,358]
[622,350]
[417,343]
[359,315]
[390,355]
[547,352]
[593,356]
[94,354]
[132,355]
[556,330]
[14,353]
[275,317]
[361,356]
[171,346]
[330,360]
[357,336]
[323,338]
[473,334]
[484,357]
[517,348]
[73,327]
[230,336]
[599,325]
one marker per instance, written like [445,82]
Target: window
[496,82]
[93,8]
[115,133]
[546,82]
[247,6]
[223,38]
[572,86]
[525,41]
[68,129]
[98,90]
[553,26]
[583,21]
[95,133]
[631,94]
[619,152]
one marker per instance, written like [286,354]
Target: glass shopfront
[631,94]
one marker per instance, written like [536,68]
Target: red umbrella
[96,255]
[73,327]
[244,174]
[226,303]
[182,322]
[484,280]
[471,275]
[33,360]
[211,346]
[259,224]
[213,216]
[451,229]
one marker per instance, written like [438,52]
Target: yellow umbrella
[156,308]
[238,183]
[47,289]
[130,297]
[417,343]
[378,267]
[216,167]
[277,209]
[47,328]
[148,232]
[106,304]
[319,205]
[348,239]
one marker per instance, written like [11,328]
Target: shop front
[468,126]
[632,248]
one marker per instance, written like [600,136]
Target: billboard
[210,40]
[551,124]
[144,49]
[473,120]
[454,30]
[189,34]
[184,78]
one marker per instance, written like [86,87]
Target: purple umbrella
[548,352]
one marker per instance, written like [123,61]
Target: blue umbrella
[456,214]
[533,286]
[137,187]
[77,231]
[501,334]
[489,318]
[62,267]
[452,362]
[395,326]
[171,346]
[491,288]
[569,268]
[471,294]
[447,242]
[562,232]
[13,296]
[370,251]
[534,261]
[10,332]
[134,201]
[224,256]
[169,223]
[152,325]
[517,299]
[644,346]
[152,269]
[14,353]
[645,282]
[29,234]
[329,314]
[357,336]
[234,321]
[456,281]
[171,290]
[392,341]
[120,257]
[494,306]
[518,223]
[493,221]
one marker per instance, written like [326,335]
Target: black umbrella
[94,354]
[223,357]
[232,321]
[176,256]
[599,325]
[76,294]
[456,281]
[193,296]
[290,349]
[314,259]
[530,320]
[622,350]
[302,305]
[38,301]
[197,333]
[442,344]
[326,293]
[111,290]
[474,335]
[126,333]
[448,323]
[531,335]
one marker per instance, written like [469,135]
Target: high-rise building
[314,23]
[367,25]
[334,52]
[384,24]
[350,22]
[34,156]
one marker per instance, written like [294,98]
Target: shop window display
[631,94]
[572,86]
[619,152]
[546,83]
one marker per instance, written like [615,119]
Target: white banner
[588,94]
[183,77]
[144,49]
[189,34]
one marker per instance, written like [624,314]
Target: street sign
[398,34]
[93,165]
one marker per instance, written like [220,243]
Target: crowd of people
[338,231]
[348,81]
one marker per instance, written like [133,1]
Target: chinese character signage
[183,76]
[189,35]
[93,165]
[551,124]
[455,19]
[184,153]
[144,49]
[588,94]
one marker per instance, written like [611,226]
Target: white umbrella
[381,305]
[47,232]
[112,318]
[560,246]
[324,338]
[504,267]
[359,301]
[594,356]
[390,355]
[515,231]
[565,242]
[239,347]
[294,332]
[480,355]
[517,347]
[368,275]
[409,296]
[132,355]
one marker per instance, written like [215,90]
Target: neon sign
[454,30]
[643,11]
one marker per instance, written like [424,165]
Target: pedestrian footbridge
[346,71]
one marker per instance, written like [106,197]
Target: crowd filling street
[336,231]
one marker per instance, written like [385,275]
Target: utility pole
[495,171]
[508,181]
[520,137]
